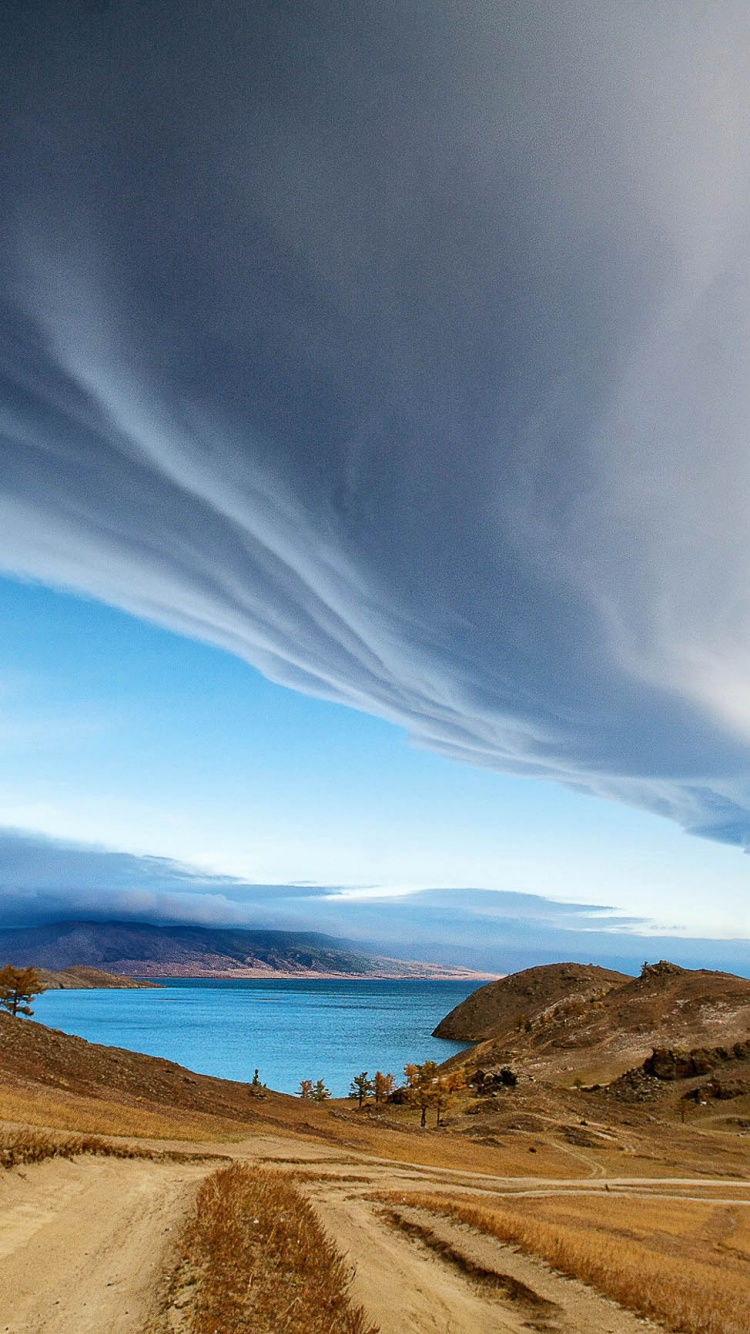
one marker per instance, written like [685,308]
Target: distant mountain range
[139,949]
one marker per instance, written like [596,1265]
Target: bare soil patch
[84,1245]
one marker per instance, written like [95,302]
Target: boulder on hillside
[399,1097]
[664,1063]
[489,1081]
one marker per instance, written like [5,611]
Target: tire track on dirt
[84,1244]
[430,1275]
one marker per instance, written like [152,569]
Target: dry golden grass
[255,1257]
[89,1115]
[409,1144]
[98,1116]
[684,1263]
[27,1145]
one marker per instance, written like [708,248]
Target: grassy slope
[683,1263]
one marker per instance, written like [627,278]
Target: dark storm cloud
[44,880]
[403,350]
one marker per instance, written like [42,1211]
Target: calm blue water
[290,1030]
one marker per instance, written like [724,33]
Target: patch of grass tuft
[254,1257]
[27,1145]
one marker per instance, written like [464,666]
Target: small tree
[320,1092]
[18,987]
[361,1087]
[383,1086]
[421,1084]
[445,1087]
[305,1090]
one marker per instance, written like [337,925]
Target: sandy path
[83,1244]
[406,1282]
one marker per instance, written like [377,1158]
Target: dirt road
[83,1244]
[439,1277]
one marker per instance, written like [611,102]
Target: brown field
[103,1116]
[683,1263]
[254,1257]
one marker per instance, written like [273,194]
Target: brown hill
[600,1036]
[33,1057]
[80,977]
[497,1010]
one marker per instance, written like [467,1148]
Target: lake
[289,1030]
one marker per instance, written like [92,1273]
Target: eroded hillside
[573,1028]
[501,1006]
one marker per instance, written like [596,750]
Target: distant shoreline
[268,975]
[147,951]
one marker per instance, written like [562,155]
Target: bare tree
[446,1086]
[421,1081]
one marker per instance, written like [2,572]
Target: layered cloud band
[404,352]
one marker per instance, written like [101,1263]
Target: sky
[374,469]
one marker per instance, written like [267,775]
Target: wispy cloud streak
[402,351]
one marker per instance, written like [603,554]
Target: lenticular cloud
[404,351]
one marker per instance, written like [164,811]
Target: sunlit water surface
[289,1030]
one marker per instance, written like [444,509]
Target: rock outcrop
[572,1021]
[665,1063]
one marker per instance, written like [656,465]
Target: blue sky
[397,356]
[119,734]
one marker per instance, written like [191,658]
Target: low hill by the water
[82,978]
[582,1021]
[499,1007]
[139,949]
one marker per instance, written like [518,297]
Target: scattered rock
[399,1096]
[487,1081]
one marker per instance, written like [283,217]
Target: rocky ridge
[570,1030]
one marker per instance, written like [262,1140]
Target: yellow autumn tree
[18,987]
